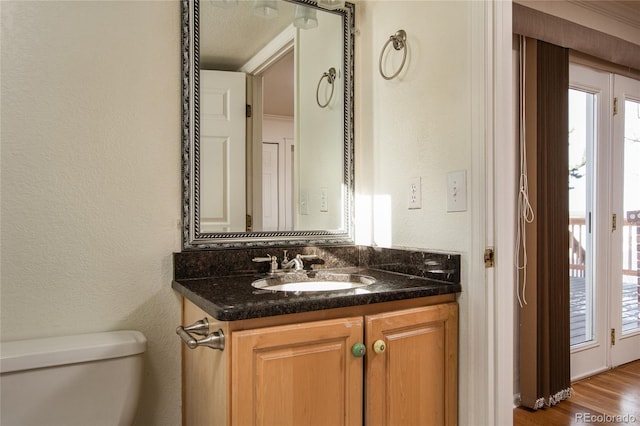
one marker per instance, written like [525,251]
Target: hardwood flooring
[602,397]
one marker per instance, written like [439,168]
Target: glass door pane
[631,228]
[582,131]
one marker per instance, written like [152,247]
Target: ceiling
[229,37]
[278,87]
[627,12]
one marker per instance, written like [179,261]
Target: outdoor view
[582,131]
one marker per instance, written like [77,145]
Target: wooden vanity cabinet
[414,381]
[304,372]
[299,374]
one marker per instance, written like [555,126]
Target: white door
[222,151]
[589,233]
[604,203]
[289,186]
[625,256]
[277,185]
[270,186]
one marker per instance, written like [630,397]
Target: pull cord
[525,210]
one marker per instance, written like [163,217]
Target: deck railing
[581,297]
[578,241]
[577,246]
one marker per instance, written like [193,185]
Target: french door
[625,256]
[604,193]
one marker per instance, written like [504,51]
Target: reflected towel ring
[399,41]
[331,78]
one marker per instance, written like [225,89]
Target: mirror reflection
[272,137]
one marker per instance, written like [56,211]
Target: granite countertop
[232,298]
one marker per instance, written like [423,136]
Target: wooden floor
[612,393]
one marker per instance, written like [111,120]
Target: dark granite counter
[232,298]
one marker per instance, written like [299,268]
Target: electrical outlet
[415,193]
[457,191]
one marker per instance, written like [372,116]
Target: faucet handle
[273,259]
[262,259]
[307,256]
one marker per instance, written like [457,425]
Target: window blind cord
[525,210]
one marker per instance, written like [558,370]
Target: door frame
[486,394]
[275,50]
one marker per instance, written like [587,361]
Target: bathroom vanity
[382,354]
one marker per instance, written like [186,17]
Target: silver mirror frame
[192,238]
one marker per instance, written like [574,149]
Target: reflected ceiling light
[331,4]
[265,8]
[305,18]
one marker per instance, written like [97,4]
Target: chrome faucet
[295,263]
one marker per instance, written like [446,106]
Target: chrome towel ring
[399,41]
[331,78]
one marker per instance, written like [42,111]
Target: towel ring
[399,41]
[331,78]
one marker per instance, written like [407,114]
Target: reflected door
[278,159]
[270,186]
[222,151]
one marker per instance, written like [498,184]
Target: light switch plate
[415,193]
[324,202]
[457,191]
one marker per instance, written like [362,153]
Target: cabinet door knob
[358,350]
[379,346]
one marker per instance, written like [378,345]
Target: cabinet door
[301,374]
[414,380]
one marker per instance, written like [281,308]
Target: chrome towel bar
[214,340]
[331,78]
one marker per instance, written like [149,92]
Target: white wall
[418,124]
[91,178]
[320,160]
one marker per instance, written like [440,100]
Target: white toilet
[85,380]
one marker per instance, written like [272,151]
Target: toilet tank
[88,379]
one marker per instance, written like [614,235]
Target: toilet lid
[52,351]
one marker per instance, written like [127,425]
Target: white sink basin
[316,282]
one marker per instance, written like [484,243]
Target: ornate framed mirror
[267,123]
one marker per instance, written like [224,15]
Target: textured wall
[418,124]
[91,178]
